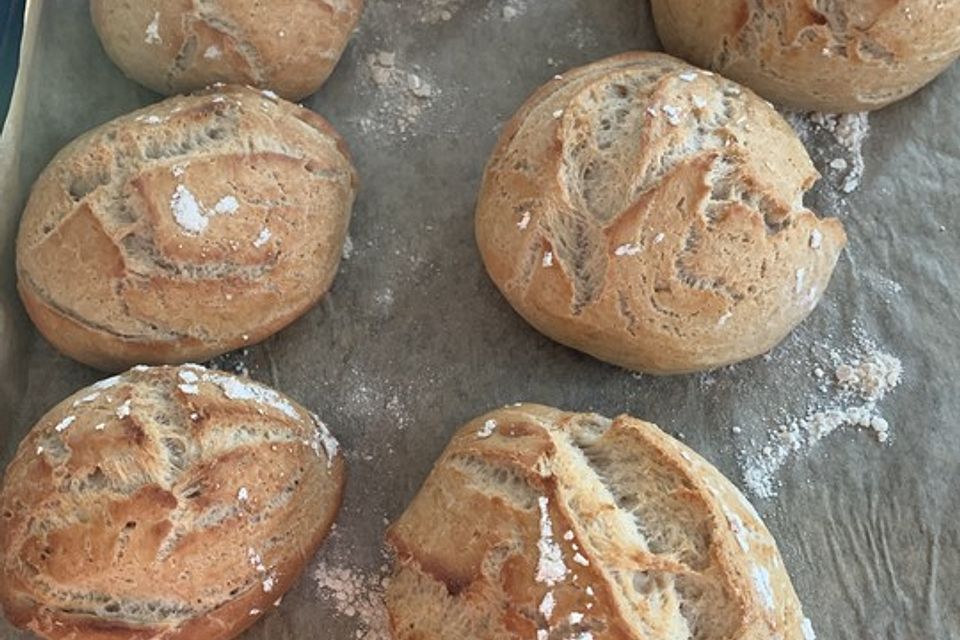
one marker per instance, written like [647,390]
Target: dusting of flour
[404,94]
[356,595]
[856,383]
[835,143]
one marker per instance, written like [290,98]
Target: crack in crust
[657,189]
[653,541]
[131,478]
[823,55]
[250,164]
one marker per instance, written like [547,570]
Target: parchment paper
[413,340]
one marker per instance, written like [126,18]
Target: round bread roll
[178,46]
[186,229]
[850,55]
[537,523]
[175,503]
[650,214]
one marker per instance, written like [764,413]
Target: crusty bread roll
[176,503]
[537,523]
[845,55]
[186,229]
[651,214]
[177,46]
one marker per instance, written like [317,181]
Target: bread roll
[848,55]
[186,229]
[537,523]
[174,503]
[650,214]
[177,46]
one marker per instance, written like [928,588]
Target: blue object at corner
[11,26]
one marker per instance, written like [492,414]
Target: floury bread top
[186,229]
[650,214]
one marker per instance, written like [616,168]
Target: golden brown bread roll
[537,523]
[837,55]
[650,214]
[185,229]
[175,503]
[178,46]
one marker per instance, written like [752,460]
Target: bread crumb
[524,221]
[100,426]
[550,566]
[547,605]
[323,438]
[437,11]
[268,583]
[403,95]
[761,580]
[123,410]
[487,429]
[236,389]
[243,495]
[186,210]
[39,450]
[152,34]
[106,383]
[816,239]
[548,259]
[263,238]
[347,250]
[673,114]
[227,205]
[212,53]
[629,249]
[835,142]
[87,398]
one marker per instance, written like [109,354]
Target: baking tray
[414,339]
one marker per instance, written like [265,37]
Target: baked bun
[849,55]
[186,229]
[650,214]
[174,503]
[537,523]
[177,46]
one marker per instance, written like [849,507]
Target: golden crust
[653,542]
[649,214]
[178,46]
[186,229]
[175,503]
[841,56]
